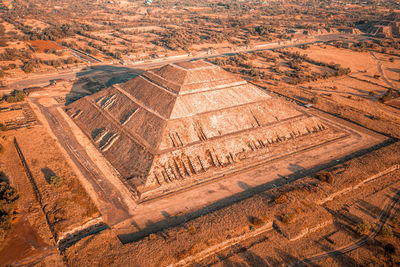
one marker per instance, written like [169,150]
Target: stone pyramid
[188,122]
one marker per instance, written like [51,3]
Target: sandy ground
[328,53]
[74,207]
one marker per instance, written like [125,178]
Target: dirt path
[359,243]
[382,72]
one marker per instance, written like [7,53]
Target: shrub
[281,199]
[55,180]
[8,193]
[8,196]
[287,217]
[28,67]
[363,227]
[257,222]
[314,100]
[15,96]
[184,253]
[5,224]
[390,249]
[325,177]
[192,230]
[1,148]
[386,231]
[3,128]
[390,94]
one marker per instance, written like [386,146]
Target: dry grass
[66,202]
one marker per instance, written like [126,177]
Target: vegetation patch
[363,227]
[386,231]
[8,208]
[15,96]
[281,199]
[325,177]
[55,180]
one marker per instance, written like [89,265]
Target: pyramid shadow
[93,79]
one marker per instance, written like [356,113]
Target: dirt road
[152,64]
[382,72]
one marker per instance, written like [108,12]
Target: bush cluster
[15,96]
[55,180]
[281,199]
[8,209]
[386,231]
[325,177]
[363,227]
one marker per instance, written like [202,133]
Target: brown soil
[44,45]
[22,242]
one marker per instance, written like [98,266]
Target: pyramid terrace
[187,123]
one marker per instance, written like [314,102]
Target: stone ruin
[191,122]
[387,27]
